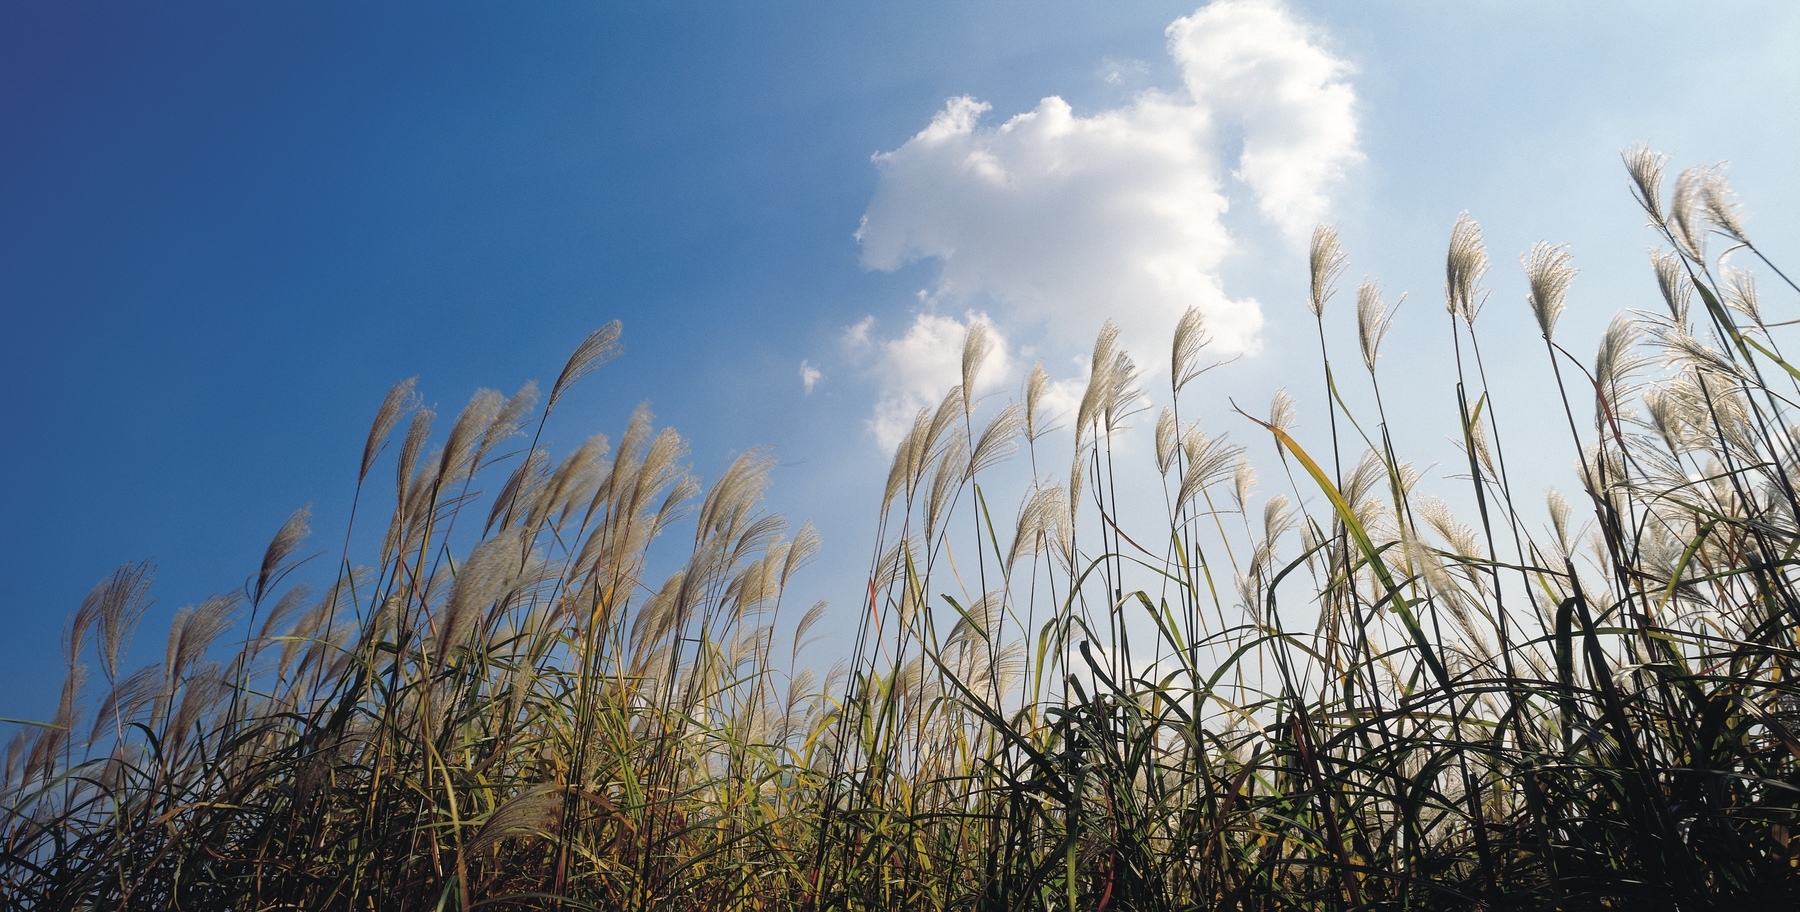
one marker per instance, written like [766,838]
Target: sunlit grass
[1343,697]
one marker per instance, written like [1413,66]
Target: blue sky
[228,228]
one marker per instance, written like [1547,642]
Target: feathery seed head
[1243,478]
[1035,386]
[1209,461]
[1190,338]
[1646,169]
[1464,266]
[1327,261]
[416,435]
[1558,507]
[1548,271]
[977,344]
[1373,319]
[399,400]
[1042,522]
[900,471]
[998,441]
[470,428]
[1101,374]
[1685,212]
[1278,519]
[598,348]
[122,601]
[1672,279]
[1721,205]
[1281,410]
[1614,364]
[1166,437]
[1740,294]
[286,539]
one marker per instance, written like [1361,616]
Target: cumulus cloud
[918,368]
[809,376]
[1065,219]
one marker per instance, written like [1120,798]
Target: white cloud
[1068,219]
[917,369]
[1249,61]
[809,376]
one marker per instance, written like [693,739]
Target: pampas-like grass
[1350,694]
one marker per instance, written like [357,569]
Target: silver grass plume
[1281,410]
[491,576]
[519,492]
[1548,271]
[946,481]
[281,547]
[1740,294]
[416,435]
[740,487]
[508,423]
[126,700]
[1666,418]
[52,739]
[285,608]
[943,422]
[1243,481]
[1558,507]
[399,400]
[1672,280]
[1646,169]
[900,471]
[1077,473]
[1460,538]
[120,602]
[1464,266]
[656,619]
[1043,520]
[1327,261]
[1373,319]
[1209,461]
[977,345]
[1167,435]
[807,620]
[1035,386]
[568,479]
[470,428]
[1278,519]
[601,346]
[998,441]
[1721,206]
[200,692]
[1100,376]
[1190,339]
[1614,364]
[893,566]
[192,631]
[800,551]
[1684,352]
[534,814]
[1483,451]
[1685,215]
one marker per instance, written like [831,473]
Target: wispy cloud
[1065,219]
[809,376]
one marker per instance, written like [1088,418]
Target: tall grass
[1338,697]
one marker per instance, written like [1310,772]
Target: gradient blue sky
[226,229]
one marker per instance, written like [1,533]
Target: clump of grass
[1339,696]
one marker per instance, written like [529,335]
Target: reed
[1337,696]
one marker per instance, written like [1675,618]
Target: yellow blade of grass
[1402,607]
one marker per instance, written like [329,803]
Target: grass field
[1343,697]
